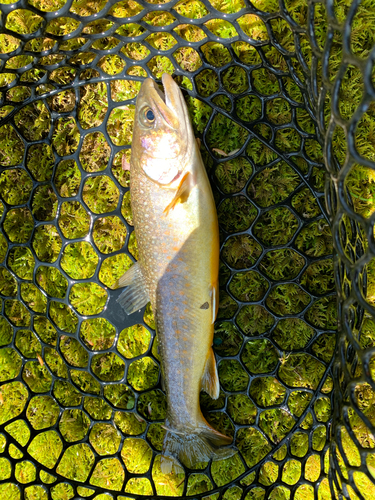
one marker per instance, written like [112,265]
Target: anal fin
[182,192]
[210,380]
[135,296]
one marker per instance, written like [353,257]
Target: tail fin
[190,448]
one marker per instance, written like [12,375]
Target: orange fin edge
[214,295]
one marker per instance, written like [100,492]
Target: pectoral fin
[182,192]
[210,380]
[135,296]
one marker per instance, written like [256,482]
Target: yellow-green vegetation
[275,334]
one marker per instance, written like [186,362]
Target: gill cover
[163,137]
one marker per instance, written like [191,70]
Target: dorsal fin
[210,380]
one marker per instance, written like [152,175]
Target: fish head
[163,138]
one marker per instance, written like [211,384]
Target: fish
[177,233]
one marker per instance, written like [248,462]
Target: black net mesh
[270,86]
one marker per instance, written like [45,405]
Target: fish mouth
[171,130]
[160,92]
[170,103]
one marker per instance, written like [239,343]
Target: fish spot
[204,306]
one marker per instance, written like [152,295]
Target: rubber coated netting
[272,89]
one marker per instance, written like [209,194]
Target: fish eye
[149,115]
